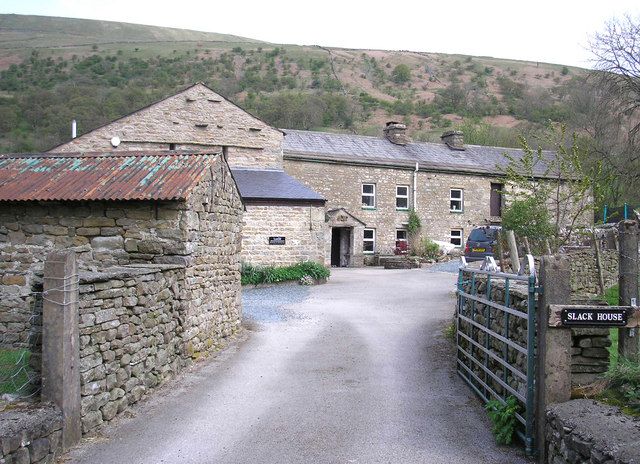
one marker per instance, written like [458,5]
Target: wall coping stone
[604,427]
[124,272]
[34,420]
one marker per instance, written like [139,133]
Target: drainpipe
[415,187]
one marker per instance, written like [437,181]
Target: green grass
[611,296]
[14,366]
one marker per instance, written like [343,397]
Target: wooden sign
[277,240]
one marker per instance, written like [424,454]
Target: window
[495,201]
[368,195]
[402,196]
[456,200]
[401,235]
[369,241]
[172,146]
[402,244]
[456,237]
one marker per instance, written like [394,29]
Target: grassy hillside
[23,31]
[55,69]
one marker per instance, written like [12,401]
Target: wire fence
[21,349]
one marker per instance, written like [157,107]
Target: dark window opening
[172,146]
[496,200]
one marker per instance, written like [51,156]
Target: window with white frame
[401,235]
[368,195]
[456,237]
[369,241]
[456,200]
[402,196]
[402,242]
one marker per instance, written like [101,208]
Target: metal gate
[495,337]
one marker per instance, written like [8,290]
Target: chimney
[396,132]
[73,129]
[453,139]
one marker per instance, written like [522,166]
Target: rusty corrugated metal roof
[101,176]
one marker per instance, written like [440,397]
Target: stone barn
[197,118]
[175,211]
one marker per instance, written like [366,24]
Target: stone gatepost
[553,347]
[61,342]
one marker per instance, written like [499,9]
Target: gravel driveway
[353,371]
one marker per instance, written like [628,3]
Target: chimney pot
[396,133]
[453,139]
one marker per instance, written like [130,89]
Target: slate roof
[267,184]
[101,176]
[377,150]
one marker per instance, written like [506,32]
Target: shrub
[429,249]
[401,74]
[254,275]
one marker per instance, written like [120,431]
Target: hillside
[23,31]
[55,69]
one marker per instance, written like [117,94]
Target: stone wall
[584,431]
[302,226]
[31,434]
[589,354]
[190,120]
[341,185]
[203,234]
[584,270]
[139,326]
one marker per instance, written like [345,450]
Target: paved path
[354,371]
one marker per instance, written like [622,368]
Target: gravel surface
[365,376]
[268,304]
[449,266]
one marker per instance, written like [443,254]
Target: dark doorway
[496,200]
[341,246]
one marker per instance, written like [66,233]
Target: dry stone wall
[101,233]
[584,270]
[584,431]
[194,119]
[589,354]
[135,333]
[30,435]
[302,226]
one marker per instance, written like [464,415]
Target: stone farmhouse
[371,184]
[337,199]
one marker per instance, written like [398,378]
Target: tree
[616,80]
[401,74]
[555,188]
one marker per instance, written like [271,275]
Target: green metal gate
[495,337]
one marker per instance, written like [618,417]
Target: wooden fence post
[629,339]
[513,252]
[61,342]
[553,366]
